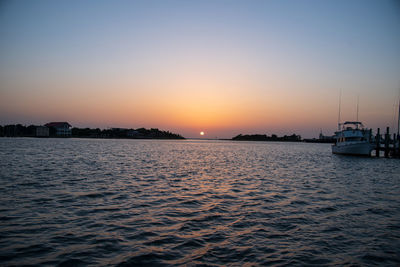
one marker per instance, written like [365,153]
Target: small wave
[142,235]
[73,262]
[35,250]
[192,243]
[327,209]
[163,240]
[95,194]
[148,259]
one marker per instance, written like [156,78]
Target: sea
[105,202]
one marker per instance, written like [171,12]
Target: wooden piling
[378,143]
[398,145]
[394,151]
[397,141]
[387,138]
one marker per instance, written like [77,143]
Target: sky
[224,67]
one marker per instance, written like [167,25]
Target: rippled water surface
[145,202]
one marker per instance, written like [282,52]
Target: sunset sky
[223,67]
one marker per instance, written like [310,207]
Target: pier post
[387,137]
[394,151]
[398,145]
[378,142]
[396,148]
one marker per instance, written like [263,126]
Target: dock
[388,144]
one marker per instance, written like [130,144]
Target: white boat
[353,139]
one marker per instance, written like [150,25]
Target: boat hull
[357,149]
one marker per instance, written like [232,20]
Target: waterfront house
[62,129]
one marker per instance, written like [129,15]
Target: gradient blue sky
[223,67]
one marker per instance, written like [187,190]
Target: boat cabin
[352,131]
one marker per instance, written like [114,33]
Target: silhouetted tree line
[264,137]
[140,133]
[17,130]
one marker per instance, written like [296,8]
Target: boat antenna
[340,102]
[358,101]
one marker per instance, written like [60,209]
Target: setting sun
[201,133]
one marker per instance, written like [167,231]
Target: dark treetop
[264,137]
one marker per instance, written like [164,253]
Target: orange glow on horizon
[184,103]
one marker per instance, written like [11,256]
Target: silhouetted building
[61,128]
[327,139]
[42,131]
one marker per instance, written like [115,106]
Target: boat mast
[358,101]
[340,102]
[398,118]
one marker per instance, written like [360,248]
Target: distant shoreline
[275,138]
[64,130]
[177,139]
